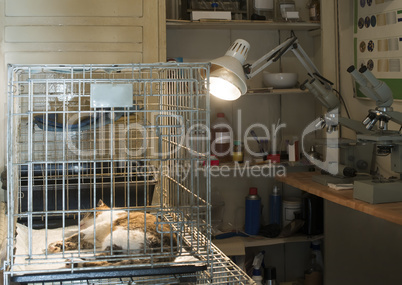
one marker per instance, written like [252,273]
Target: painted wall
[296,110]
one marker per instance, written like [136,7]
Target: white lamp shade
[227,78]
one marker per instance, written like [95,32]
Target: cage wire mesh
[123,142]
[132,136]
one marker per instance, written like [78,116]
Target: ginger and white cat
[125,233]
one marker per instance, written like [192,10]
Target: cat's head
[102,206]
[88,219]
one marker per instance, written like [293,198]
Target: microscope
[387,142]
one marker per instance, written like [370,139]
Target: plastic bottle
[253,212]
[238,152]
[221,138]
[275,207]
[257,262]
[257,277]
[316,250]
[313,275]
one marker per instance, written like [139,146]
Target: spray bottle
[253,212]
[257,262]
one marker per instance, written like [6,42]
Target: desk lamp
[227,78]
[229,73]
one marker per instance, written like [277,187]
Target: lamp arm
[319,86]
[301,55]
[291,44]
[270,57]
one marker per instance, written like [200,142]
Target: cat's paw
[58,246]
[76,263]
[55,247]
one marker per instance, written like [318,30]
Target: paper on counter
[340,186]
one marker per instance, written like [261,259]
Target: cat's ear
[100,203]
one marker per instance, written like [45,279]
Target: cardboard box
[215,15]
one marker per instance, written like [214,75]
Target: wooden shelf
[241,25]
[238,244]
[391,212]
[255,241]
[270,91]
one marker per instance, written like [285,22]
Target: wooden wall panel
[77,32]
[132,29]
[74,8]
[73,34]
[72,57]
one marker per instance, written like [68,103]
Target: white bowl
[279,80]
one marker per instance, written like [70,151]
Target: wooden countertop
[302,180]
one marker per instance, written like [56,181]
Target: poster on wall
[378,41]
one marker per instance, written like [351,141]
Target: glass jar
[314,10]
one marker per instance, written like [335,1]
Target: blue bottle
[275,207]
[253,212]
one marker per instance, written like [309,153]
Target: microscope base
[375,192]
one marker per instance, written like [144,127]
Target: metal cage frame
[134,135]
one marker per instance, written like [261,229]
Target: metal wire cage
[132,136]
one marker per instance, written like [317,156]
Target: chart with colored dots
[378,40]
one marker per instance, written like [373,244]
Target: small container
[264,8]
[238,155]
[213,160]
[291,206]
[253,212]
[274,158]
[270,276]
[281,6]
[314,10]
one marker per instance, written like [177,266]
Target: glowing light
[223,89]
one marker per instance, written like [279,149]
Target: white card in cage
[111,95]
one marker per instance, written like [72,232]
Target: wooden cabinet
[77,32]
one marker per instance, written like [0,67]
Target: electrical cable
[343,102]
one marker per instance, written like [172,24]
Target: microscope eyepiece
[363,69]
[351,68]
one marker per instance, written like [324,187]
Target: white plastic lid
[292,201]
